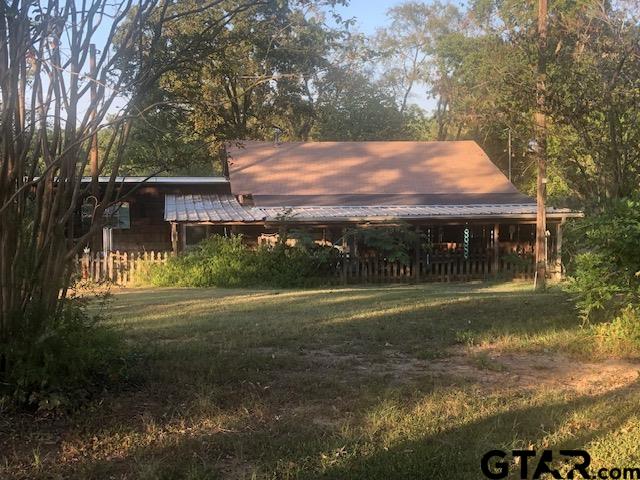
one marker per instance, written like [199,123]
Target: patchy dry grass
[363,383]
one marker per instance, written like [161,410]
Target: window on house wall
[118,216]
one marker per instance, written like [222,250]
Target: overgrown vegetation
[620,337]
[604,266]
[397,243]
[227,262]
[57,96]
[605,259]
[59,361]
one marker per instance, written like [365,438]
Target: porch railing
[438,267]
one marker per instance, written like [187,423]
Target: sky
[370,14]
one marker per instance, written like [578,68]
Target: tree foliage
[351,108]
[278,68]
[407,50]
[605,259]
[595,102]
[52,103]
[482,77]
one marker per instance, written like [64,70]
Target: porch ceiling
[226,209]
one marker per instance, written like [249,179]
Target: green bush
[395,242]
[227,262]
[215,262]
[58,361]
[620,337]
[605,259]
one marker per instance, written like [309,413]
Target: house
[138,222]
[450,191]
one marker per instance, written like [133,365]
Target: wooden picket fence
[126,268]
[115,267]
[439,267]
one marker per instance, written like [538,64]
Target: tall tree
[354,109]
[593,101]
[408,44]
[255,76]
[47,121]
[487,89]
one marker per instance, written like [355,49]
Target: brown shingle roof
[364,168]
[392,199]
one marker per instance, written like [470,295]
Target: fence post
[108,262]
[124,274]
[416,265]
[85,265]
[95,275]
[558,252]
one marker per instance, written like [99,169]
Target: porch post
[558,272]
[183,237]
[344,255]
[416,260]
[174,237]
[496,248]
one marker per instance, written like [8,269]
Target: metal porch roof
[225,208]
[407,212]
[207,208]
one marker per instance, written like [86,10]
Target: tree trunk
[541,148]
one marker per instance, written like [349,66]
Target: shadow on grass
[410,319]
[224,369]
[298,448]
[456,452]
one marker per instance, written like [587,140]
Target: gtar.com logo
[533,465]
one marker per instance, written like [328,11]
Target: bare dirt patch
[488,367]
[555,370]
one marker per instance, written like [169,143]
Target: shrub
[58,361]
[605,259]
[227,262]
[395,242]
[620,337]
[218,261]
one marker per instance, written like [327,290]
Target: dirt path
[487,366]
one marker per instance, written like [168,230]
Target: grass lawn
[356,383]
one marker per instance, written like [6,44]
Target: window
[118,216]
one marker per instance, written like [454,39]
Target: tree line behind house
[436,71]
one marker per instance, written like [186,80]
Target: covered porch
[452,242]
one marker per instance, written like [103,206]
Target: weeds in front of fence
[228,262]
